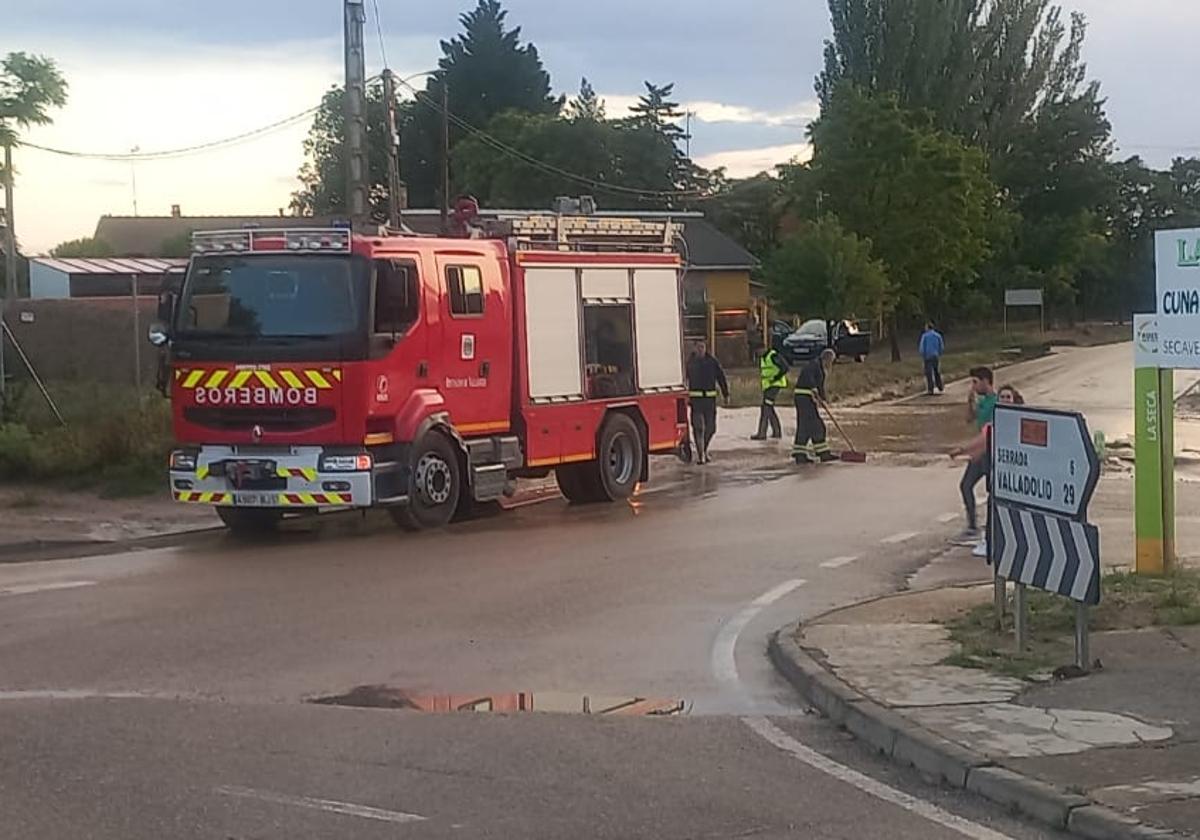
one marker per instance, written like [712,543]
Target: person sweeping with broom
[810,445]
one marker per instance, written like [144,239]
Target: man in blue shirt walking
[932,347]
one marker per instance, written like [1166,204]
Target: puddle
[386,697]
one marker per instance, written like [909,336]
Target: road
[165,693]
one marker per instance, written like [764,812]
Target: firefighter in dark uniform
[705,375]
[773,370]
[810,428]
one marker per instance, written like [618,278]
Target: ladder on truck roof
[550,231]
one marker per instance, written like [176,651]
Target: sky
[155,75]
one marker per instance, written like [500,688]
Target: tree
[920,195]
[587,105]
[599,152]
[751,211]
[85,247]
[323,174]
[179,245]
[30,85]
[656,109]
[825,271]
[486,70]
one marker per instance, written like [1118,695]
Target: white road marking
[330,805]
[29,588]
[896,539]
[947,518]
[724,666]
[778,738]
[838,562]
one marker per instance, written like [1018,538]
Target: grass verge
[115,441]
[880,377]
[1129,602]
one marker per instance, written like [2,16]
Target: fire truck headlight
[344,463]
[183,460]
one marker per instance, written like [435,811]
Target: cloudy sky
[157,75]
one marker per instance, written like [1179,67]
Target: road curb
[30,551]
[941,760]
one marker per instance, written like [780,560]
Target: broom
[851,455]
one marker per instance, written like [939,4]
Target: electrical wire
[379,32]
[548,168]
[199,148]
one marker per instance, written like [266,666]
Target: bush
[113,439]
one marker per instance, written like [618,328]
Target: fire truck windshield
[280,296]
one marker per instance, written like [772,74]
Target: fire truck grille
[270,419]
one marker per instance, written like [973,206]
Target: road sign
[1047,552]
[1043,460]
[1022,297]
[1177,278]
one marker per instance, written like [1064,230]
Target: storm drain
[387,697]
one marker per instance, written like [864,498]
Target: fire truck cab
[313,370]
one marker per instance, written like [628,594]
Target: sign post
[1024,297]
[1154,451]
[1044,473]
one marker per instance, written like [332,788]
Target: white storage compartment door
[606,284]
[657,320]
[552,333]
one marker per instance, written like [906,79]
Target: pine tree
[587,105]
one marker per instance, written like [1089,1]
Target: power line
[379,31]
[180,152]
[548,168]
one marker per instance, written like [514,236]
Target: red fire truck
[312,370]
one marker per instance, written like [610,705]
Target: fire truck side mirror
[158,335]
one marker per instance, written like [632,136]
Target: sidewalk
[1113,754]
[35,518]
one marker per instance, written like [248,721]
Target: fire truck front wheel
[434,486]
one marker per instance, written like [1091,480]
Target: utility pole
[356,112]
[445,155]
[10,264]
[397,193]
[133,177]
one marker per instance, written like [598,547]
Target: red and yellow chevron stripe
[297,472]
[311,499]
[204,498]
[322,379]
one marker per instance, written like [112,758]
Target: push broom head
[852,456]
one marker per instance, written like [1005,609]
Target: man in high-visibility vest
[773,370]
[811,445]
[705,375]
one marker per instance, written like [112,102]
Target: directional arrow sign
[1043,460]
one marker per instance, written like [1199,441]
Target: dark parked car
[816,335]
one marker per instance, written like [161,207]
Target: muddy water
[935,427]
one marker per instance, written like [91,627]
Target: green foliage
[587,105]
[179,245]
[823,271]
[114,440]
[751,211]
[85,247]
[920,195]
[30,85]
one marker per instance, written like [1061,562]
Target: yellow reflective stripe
[193,379]
[297,472]
[318,379]
[240,378]
[337,374]
[267,380]
[216,379]
[702,393]
[202,472]
[292,380]
[178,373]
[804,392]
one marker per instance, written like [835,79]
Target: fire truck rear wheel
[434,487]
[249,522]
[620,457]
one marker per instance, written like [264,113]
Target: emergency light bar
[282,240]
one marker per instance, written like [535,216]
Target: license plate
[256,499]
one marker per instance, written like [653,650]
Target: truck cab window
[465,285]
[397,296]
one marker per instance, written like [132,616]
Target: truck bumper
[297,483]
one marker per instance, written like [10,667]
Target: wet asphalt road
[163,693]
